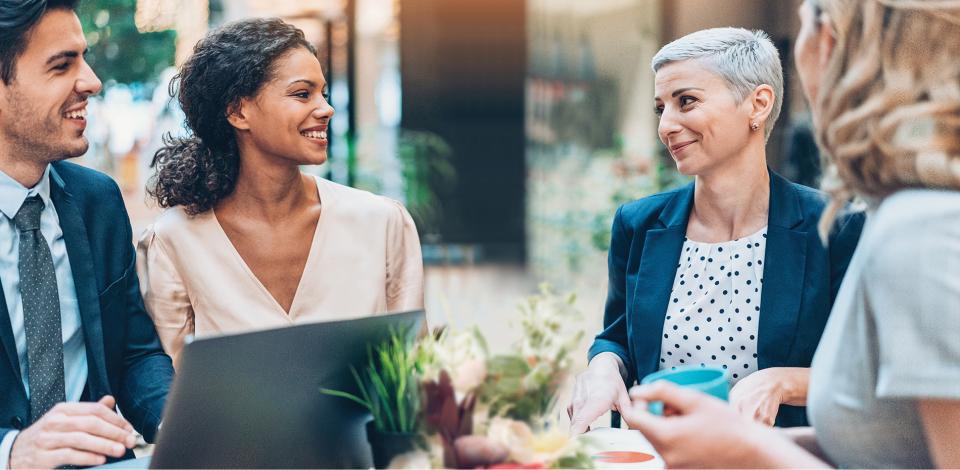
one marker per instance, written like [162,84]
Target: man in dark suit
[76,339]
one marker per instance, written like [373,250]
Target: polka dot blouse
[714,308]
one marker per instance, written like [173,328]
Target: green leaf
[349,396]
[389,383]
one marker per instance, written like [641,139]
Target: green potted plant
[389,388]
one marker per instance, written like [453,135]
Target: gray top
[893,336]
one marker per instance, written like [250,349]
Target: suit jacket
[801,278]
[124,356]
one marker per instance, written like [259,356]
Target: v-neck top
[364,260]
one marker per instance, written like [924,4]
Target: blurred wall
[591,140]
[463,65]
[776,17]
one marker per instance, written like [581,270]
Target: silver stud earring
[754,126]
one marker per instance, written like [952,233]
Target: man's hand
[81,434]
[597,390]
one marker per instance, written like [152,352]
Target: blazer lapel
[658,266]
[84,278]
[783,272]
[9,343]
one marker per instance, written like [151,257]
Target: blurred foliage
[666,177]
[574,196]
[427,174]
[588,113]
[118,51]
[524,385]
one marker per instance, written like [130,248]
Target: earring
[754,126]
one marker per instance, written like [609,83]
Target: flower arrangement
[524,386]
[474,409]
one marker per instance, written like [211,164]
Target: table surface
[598,440]
[601,440]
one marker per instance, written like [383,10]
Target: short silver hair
[744,59]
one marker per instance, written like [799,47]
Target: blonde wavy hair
[889,101]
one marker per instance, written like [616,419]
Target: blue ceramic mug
[710,380]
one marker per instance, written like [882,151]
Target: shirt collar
[12,193]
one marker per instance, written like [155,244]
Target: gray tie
[41,312]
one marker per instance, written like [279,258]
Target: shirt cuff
[6,445]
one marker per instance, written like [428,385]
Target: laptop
[253,400]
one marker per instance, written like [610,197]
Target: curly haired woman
[249,241]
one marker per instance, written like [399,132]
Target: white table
[601,440]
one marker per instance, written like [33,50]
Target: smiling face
[288,118]
[43,108]
[701,123]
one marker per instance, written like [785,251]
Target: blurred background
[511,129]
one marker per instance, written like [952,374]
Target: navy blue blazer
[124,355]
[801,278]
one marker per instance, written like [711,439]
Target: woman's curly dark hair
[230,63]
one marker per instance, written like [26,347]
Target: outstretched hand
[597,390]
[704,431]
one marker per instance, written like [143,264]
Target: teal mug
[710,380]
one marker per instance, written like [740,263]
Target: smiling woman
[249,242]
[729,270]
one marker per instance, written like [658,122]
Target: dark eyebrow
[64,55]
[683,90]
[678,91]
[310,83]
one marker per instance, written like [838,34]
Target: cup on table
[710,380]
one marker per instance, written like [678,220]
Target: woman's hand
[759,395]
[597,390]
[706,432]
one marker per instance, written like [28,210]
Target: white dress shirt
[12,196]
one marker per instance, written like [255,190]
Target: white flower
[527,446]
[412,459]
[515,436]
[468,375]
[462,354]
